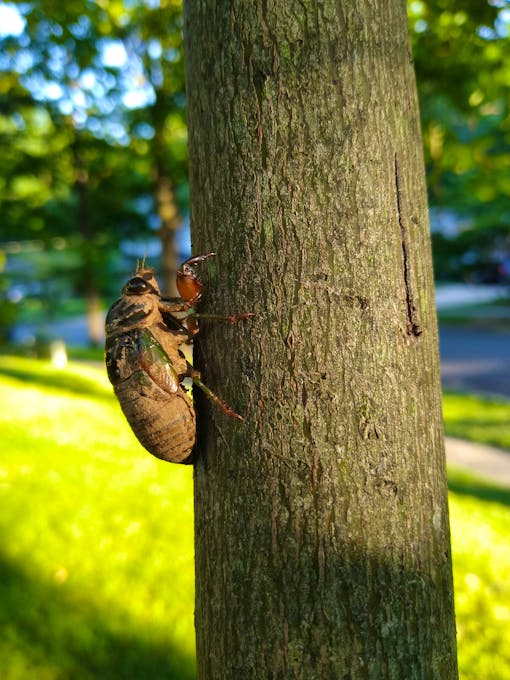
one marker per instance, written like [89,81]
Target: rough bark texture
[322,539]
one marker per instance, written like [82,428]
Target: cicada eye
[137,286]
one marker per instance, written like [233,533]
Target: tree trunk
[166,205]
[322,538]
[95,318]
[170,221]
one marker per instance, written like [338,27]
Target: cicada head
[140,297]
[142,283]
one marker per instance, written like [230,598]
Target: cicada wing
[153,359]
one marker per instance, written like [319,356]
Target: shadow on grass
[466,485]
[62,380]
[44,627]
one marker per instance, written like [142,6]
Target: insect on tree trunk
[322,537]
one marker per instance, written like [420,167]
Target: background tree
[57,73]
[462,64]
[113,72]
[153,40]
[110,80]
[322,541]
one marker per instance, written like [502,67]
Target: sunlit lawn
[96,561]
[480,521]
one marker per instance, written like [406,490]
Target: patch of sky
[502,23]
[154,49]
[88,80]
[420,26]
[94,125]
[52,91]
[156,74]
[172,55]
[487,33]
[107,105]
[144,131]
[139,97]
[23,61]
[19,121]
[79,99]
[143,204]
[11,21]
[58,58]
[113,53]
[81,28]
[65,107]
[117,132]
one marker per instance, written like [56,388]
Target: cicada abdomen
[150,394]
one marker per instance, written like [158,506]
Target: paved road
[475,360]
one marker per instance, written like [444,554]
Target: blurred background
[96,556]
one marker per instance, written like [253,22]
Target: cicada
[146,366]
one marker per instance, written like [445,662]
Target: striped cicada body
[146,366]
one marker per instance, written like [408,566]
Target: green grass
[96,554]
[480,518]
[86,353]
[477,419]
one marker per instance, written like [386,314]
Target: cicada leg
[170,305]
[222,405]
[192,323]
[231,318]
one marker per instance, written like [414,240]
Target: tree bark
[322,537]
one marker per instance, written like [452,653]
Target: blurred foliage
[92,122]
[463,72]
[93,136]
[96,562]
[8,308]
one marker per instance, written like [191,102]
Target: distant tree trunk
[170,221]
[322,537]
[166,205]
[95,319]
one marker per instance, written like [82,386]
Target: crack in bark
[413,327]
